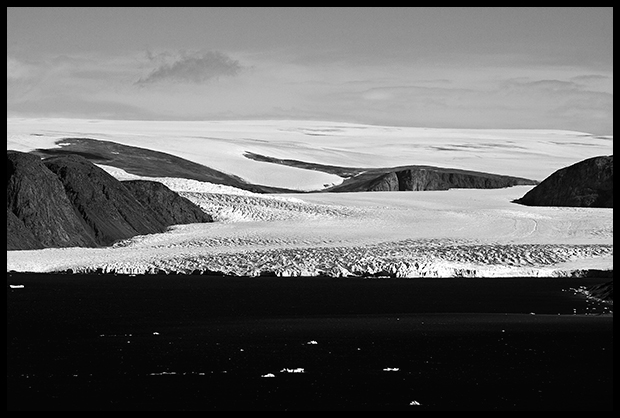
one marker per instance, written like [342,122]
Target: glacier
[452,233]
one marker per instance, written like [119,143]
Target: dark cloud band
[195,68]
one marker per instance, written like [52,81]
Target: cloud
[194,68]
[19,70]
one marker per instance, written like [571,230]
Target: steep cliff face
[37,199]
[419,178]
[68,201]
[588,183]
[384,183]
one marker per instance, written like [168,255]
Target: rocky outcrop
[17,235]
[109,211]
[419,178]
[384,183]
[68,201]
[588,183]
[168,206]
[37,199]
[403,178]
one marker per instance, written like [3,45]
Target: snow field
[220,145]
[454,233]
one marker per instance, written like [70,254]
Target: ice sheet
[533,154]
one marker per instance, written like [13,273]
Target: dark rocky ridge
[420,178]
[68,201]
[149,163]
[168,207]
[108,209]
[588,183]
[403,178]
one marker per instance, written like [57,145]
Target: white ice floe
[295,370]
[391,369]
[16,286]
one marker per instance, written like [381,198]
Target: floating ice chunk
[312,342]
[414,403]
[155,333]
[16,286]
[297,370]
[391,369]
[268,375]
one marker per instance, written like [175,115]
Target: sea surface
[105,342]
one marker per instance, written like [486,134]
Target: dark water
[205,343]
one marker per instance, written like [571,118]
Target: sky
[531,68]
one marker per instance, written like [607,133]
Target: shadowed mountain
[588,183]
[403,178]
[68,201]
[108,209]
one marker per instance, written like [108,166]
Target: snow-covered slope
[454,233]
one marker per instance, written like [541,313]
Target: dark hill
[68,201]
[109,211]
[588,183]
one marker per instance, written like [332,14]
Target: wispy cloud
[19,70]
[194,68]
